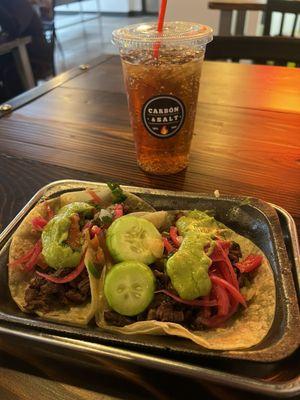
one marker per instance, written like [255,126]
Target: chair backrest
[260,49]
[284,7]
[227,9]
[46,13]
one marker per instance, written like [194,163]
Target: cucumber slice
[132,238]
[129,287]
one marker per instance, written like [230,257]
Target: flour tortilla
[245,329]
[25,238]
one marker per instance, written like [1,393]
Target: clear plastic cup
[162,76]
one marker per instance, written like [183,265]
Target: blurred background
[42,38]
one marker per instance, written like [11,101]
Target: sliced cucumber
[129,287]
[133,238]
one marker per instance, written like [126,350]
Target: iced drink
[162,90]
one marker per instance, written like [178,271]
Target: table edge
[59,80]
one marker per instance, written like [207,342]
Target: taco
[185,274]
[56,257]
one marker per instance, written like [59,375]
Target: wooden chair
[18,49]
[284,7]
[227,9]
[260,49]
[45,10]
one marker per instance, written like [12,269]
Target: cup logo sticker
[163,116]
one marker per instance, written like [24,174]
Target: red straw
[160,26]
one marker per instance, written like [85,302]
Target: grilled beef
[47,296]
[234,252]
[113,318]
[167,312]
[164,308]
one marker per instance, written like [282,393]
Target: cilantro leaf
[117,192]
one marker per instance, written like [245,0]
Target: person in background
[18,19]
[44,7]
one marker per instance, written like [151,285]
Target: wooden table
[246,142]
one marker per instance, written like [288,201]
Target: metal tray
[252,218]
[279,379]
[290,237]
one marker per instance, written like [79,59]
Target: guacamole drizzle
[188,267]
[56,252]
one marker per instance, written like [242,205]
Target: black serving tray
[250,217]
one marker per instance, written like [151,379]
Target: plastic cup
[162,89]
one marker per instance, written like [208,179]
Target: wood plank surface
[229,84]
[38,373]
[222,157]
[243,131]
[246,142]
[33,94]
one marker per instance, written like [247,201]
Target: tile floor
[88,38]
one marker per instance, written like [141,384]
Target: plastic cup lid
[175,32]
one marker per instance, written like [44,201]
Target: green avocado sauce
[188,267]
[56,252]
[196,221]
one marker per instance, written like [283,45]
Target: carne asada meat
[162,279]
[113,318]
[234,252]
[48,296]
[167,312]
[164,308]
